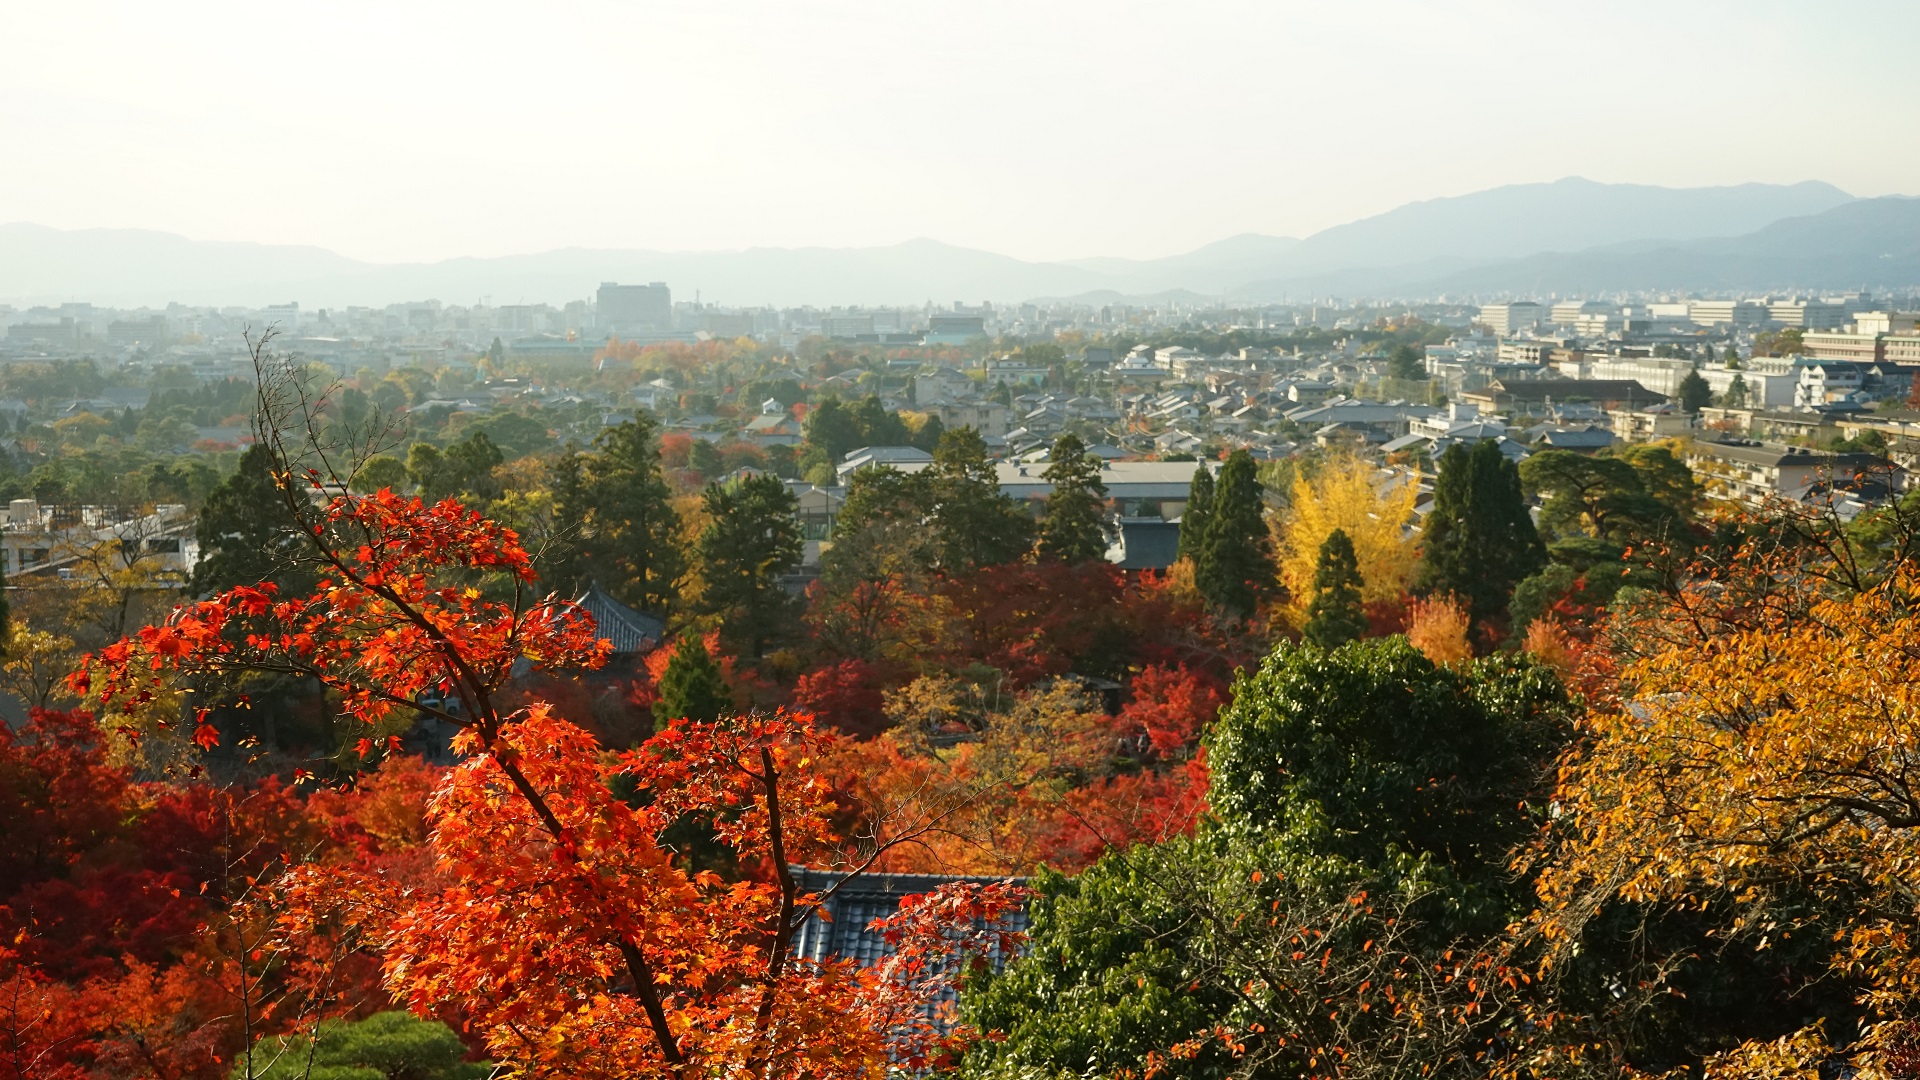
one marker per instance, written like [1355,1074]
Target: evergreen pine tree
[1335,617]
[614,515]
[692,686]
[1236,567]
[1479,539]
[751,539]
[1694,393]
[1193,520]
[976,524]
[1075,528]
[1405,362]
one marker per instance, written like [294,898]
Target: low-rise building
[1753,473]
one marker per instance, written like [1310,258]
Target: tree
[878,425]
[1478,539]
[1752,784]
[384,1046]
[834,427]
[976,524]
[558,908]
[614,514]
[463,471]
[1311,924]
[692,687]
[1344,494]
[751,540]
[243,533]
[1235,569]
[378,471]
[1075,528]
[1606,496]
[927,435]
[1335,616]
[1193,520]
[1694,393]
[1405,362]
[1736,395]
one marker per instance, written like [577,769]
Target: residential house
[1753,472]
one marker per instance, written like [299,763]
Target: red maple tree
[564,922]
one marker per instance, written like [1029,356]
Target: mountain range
[1572,236]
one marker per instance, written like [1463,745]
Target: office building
[1504,319]
[629,309]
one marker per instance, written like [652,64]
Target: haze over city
[425,131]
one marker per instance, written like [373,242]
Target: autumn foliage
[557,919]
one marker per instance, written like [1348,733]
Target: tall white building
[1737,313]
[1570,312]
[1504,319]
[1808,314]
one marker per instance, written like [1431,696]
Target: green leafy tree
[1479,539]
[462,471]
[244,531]
[692,687]
[380,471]
[1193,520]
[384,1046]
[830,427]
[614,516]
[1235,568]
[1075,529]
[1365,804]
[884,494]
[703,458]
[751,540]
[879,426]
[1620,496]
[835,427]
[976,524]
[1335,616]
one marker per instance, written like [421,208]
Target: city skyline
[434,132]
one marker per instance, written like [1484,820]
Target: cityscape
[830,542]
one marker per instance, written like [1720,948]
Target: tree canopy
[1478,539]
[1074,529]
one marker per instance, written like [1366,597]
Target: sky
[407,130]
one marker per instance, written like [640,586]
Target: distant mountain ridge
[1571,235]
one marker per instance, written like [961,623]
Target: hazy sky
[399,130]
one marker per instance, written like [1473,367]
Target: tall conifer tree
[1479,539]
[1335,617]
[976,524]
[692,686]
[1075,529]
[1235,568]
[1193,520]
[751,539]
[615,513]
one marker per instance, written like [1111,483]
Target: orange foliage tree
[1743,799]
[562,923]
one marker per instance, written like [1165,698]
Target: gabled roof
[630,631]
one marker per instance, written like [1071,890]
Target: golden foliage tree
[1342,494]
[1764,771]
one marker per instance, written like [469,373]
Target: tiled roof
[630,631]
